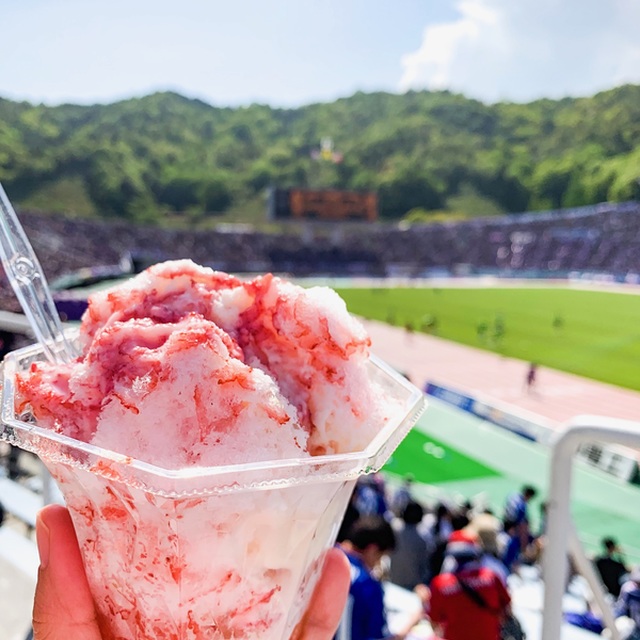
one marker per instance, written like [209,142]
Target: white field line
[478,282]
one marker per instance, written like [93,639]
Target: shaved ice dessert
[207,441]
[220,357]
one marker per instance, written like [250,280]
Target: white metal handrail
[585,568]
[559,524]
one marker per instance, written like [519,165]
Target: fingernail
[42,540]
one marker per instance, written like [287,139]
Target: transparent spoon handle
[30,285]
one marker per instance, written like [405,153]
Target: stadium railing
[560,529]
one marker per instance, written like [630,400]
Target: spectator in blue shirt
[628,603]
[516,508]
[370,496]
[516,516]
[364,617]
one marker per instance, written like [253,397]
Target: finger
[63,608]
[329,598]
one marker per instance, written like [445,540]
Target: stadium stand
[602,239]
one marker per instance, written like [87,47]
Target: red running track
[557,397]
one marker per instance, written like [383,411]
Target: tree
[141,157]
[405,191]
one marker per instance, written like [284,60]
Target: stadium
[461,309]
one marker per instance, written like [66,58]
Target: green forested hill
[144,158]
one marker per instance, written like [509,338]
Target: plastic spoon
[30,285]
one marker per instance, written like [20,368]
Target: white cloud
[522,50]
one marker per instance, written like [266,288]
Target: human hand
[64,609]
[424,593]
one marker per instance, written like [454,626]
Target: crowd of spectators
[603,238]
[458,558]
[455,558]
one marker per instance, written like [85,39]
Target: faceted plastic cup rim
[57,448]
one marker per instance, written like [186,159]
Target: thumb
[63,608]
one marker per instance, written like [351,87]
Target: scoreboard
[322,204]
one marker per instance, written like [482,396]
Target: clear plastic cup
[203,553]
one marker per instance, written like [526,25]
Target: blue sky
[292,52]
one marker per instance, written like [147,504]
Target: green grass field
[433,462]
[463,457]
[594,334]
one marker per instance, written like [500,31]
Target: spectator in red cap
[469,602]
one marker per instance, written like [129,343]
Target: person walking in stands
[364,617]
[402,497]
[437,536]
[516,516]
[370,496]
[469,601]
[409,561]
[628,603]
[611,567]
